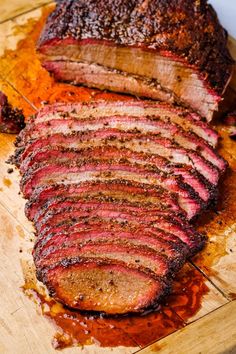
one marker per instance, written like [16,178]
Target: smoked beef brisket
[168,50]
[111,188]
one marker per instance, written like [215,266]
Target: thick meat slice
[151,198]
[110,170]
[180,45]
[101,113]
[142,143]
[201,186]
[120,289]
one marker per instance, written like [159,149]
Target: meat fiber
[174,51]
[112,188]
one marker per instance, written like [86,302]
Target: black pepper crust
[188,29]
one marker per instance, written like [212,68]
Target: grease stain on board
[7,182]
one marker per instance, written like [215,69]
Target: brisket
[169,50]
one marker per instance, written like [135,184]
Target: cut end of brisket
[104,287]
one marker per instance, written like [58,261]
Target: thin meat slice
[110,170]
[121,289]
[136,256]
[185,239]
[104,206]
[128,192]
[103,232]
[93,115]
[61,211]
[85,230]
[191,177]
[141,143]
[95,110]
[143,125]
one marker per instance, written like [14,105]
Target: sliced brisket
[111,187]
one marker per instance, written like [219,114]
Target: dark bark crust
[188,30]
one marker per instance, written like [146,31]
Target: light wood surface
[23,329]
[213,334]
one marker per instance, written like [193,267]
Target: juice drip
[77,328]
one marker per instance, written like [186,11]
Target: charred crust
[190,30]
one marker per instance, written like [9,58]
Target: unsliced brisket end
[121,289]
[178,45]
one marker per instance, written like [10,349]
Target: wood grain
[213,334]
[13,8]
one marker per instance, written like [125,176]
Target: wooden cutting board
[23,328]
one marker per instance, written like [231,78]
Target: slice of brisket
[122,289]
[169,50]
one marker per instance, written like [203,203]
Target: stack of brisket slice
[112,187]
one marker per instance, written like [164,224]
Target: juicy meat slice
[140,125]
[125,191]
[141,143]
[121,289]
[104,206]
[101,112]
[136,256]
[97,230]
[184,239]
[179,46]
[201,186]
[110,170]
[61,212]
[11,119]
